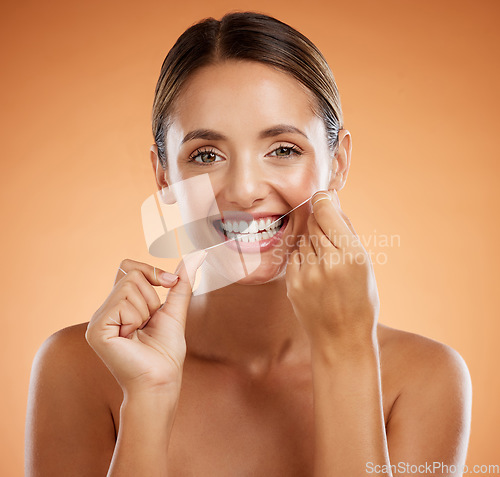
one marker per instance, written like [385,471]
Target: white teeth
[253,228]
[275,225]
[249,232]
[252,237]
[250,228]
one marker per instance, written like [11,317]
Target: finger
[319,241]
[135,290]
[179,296]
[140,292]
[344,216]
[149,294]
[155,276]
[323,243]
[130,317]
[306,248]
[120,274]
[331,222]
[122,321]
[293,265]
[131,292]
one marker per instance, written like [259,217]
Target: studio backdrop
[419,90]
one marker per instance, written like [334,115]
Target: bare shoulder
[419,356]
[430,417]
[425,373]
[67,353]
[66,362]
[73,336]
[70,340]
[69,420]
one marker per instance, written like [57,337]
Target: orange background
[419,88]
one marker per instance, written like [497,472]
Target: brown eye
[286,152]
[207,157]
[283,151]
[204,157]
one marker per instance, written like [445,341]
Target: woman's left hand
[330,279]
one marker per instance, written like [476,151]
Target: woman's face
[252,130]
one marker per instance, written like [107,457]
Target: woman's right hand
[141,341]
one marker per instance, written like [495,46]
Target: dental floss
[302,203]
[322,198]
[277,220]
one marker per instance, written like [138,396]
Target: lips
[257,233]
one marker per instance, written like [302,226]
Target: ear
[341,161]
[166,193]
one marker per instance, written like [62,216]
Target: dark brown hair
[246,36]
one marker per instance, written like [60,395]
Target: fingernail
[169,278]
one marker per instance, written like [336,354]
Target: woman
[286,372]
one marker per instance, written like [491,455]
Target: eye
[286,151]
[205,156]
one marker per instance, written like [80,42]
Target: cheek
[298,184]
[295,187]
[195,200]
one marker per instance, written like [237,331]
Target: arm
[349,420]
[428,426]
[332,288]
[146,419]
[69,426]
[429,423]
[70,430]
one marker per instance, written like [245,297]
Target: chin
[263,275]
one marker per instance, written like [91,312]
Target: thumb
[179,296]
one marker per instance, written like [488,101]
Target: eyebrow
[212,135]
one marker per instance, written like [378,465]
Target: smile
[259,232]
[253,231]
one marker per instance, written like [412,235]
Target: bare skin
[227,417]
[279,377]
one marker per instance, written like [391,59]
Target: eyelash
[294,150]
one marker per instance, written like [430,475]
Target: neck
[250,326]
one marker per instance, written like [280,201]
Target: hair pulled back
[248,36]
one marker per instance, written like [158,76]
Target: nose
[244,183]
